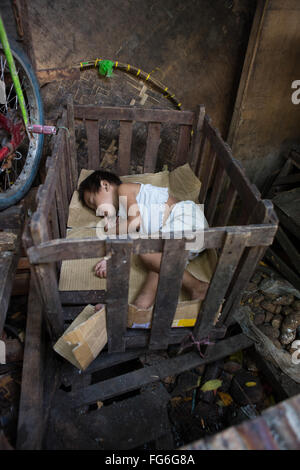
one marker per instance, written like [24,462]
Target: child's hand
[100,268]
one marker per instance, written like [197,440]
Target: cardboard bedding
[79,274]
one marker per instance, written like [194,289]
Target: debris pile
[275,309]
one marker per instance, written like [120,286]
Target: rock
[268,317]
[259,318]
[276,343]
[276,321]
[270,307]
[291,321]
[284,300]
[287,310]
[257,299]
[246,388]
[269,331]
[296,305]
[270,297]
[256,278]
[251,287]
[288,336]
[231,367]
[278,287]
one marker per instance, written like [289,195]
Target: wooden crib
[228,198]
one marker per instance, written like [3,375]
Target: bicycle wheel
[18,170]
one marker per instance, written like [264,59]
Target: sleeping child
[128,208]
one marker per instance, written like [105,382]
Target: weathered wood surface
[152,144]
[134,380]
[133,114]
[84,248]
[30,420]
[117,285]
[125,139]
[233,247]
[173,263]
[92,131]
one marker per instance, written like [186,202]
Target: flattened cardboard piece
[84,339]
[80,275]
[182,183]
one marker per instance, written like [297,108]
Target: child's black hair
[93,182]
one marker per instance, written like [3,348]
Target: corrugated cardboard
[84,339]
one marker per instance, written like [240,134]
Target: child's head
[100,189]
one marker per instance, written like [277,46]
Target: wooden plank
[30,419]
[226,210]
[249,262]
[204,145]
[144,419]
[71,140]
[115,113]
[248,193]
[8,266]
[215,194]
[289,248]
[194,154]
[134,380]
[233,247]
[82,297]
[92,131]
[117,285]
[283,268]
[124,152]
[173,263]
[62,249]
[153,141]
[206,175]
[12,218]
[183,144]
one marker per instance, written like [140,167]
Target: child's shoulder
[126,189]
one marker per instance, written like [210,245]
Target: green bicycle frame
[13,71]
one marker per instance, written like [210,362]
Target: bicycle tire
[24,181]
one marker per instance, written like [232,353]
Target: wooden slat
[124,152]
[133,114]
[82,297]
[289,248]
[92,131]
[69,175]
[215,194]
[117,284]
[247,191]
[61,211]
[153,141]
[206,175]
[283,268]
[229,258]
[71,139]
[249,262]
[194,153]
[226,210]
[62,249]
[134,380]
[30,419]
[182,150]
[172,267]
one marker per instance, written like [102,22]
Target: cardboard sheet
[84,339]
[79,274]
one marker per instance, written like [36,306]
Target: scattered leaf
[237,357]
[211,385]
[225,398]
[250,384]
